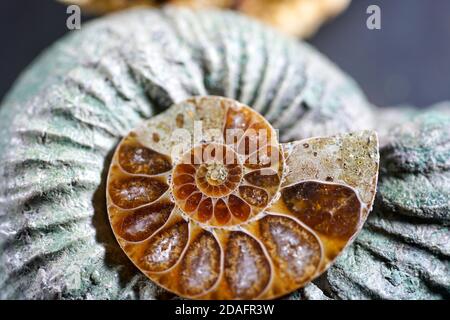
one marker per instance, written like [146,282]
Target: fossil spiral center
[218,170]
[216,173]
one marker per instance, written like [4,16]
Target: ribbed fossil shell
[403,252]
[229,212]
[298,17]
[66,114]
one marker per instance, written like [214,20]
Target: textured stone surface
[67,112]
[404,250]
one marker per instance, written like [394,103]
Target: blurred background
[407,62]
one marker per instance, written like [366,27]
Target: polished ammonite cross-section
[207,203]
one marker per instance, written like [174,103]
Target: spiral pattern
[67,112]
[207,203]
[227,184]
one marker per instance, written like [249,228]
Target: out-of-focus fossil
[298,17]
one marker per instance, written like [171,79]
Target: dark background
[406,62]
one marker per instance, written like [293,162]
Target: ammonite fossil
[208,204]
[297,17]
[62,121]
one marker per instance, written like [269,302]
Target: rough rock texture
[404,250]
[64,117]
